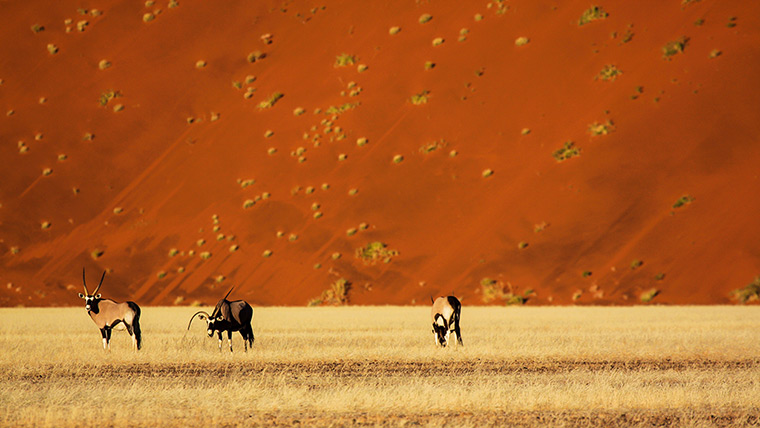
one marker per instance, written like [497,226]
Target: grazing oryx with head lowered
[445,317]
[229,316]
[106,313]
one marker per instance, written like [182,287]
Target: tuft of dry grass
[344,365]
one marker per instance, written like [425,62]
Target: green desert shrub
[374,252]
[609,72]
[648,295]
[683,200]
[674,47]
[335,295]
[749,293]
[270,101]
[493,290]
[344,60]
[567,151]
[597,128]
[591,14]
[421,98]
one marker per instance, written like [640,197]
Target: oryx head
[441,330]
[210,321]
[90,299]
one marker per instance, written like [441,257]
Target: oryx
[106,313]
[445,316]
[229,316]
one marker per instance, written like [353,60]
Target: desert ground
[378,366]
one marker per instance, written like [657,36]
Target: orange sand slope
[500,148]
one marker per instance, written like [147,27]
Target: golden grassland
[578,366]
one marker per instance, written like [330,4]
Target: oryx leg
[219,334]
[106,333]
[229,339]
[105,338]
[244,334]
[459,334]
[247,333]
[131,332]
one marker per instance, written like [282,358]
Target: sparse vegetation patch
[421,98]
[594,13]
[749,293]
[433,146]
[341,109]
[271,101]
[567,151]
[493,290]
[335,295]
[683,200]
[675,47]
[608,73]
[374,252]
[344,60]
[605,128]
[256,56]
[648,295]
[107,96]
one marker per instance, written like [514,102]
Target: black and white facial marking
[91,302]
[106,314]
[210,322]
[445,315]
[228,317]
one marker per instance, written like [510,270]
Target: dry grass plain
[574,366]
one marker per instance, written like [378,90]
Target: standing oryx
[106,313]
[445,316]
[229,316]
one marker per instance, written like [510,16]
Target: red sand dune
[148,180]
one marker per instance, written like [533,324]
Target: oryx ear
[202,317]
[98,296]
[82,296]
[219,318]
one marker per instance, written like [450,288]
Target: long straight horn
[84,281]
[228,293]
[219,303]
[95,293]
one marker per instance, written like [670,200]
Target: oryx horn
[196,314]
[95,293]
[84,281]
[214,314]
